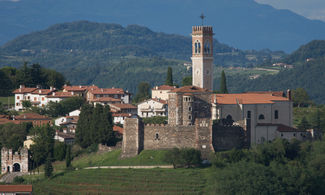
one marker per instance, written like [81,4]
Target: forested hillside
[308,75]
[112,55]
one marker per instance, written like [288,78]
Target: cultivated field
[125,181]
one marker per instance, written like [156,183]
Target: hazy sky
[313,9]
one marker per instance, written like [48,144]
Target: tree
[2,109]
[13,135]
[36,75]
[48,168]
[26,104]
[83,133]
[303,125]
[43,144]
[143,92]
[169,78]
[223,83]
[187,81]
[68,157]
[300,97]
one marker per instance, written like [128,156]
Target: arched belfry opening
[16,167]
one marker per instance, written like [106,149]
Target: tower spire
[202,16]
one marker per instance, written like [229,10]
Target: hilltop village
[196,117]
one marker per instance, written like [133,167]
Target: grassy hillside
[127,181]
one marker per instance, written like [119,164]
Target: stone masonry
[14,162]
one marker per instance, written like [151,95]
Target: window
[294,134]
[42,98]
[207,47]
[189,117]
[157,136]
[281,134]
[195,48]
[199,47]
[261,117]
[249,114]
[189,108]
[276,114]
[18,97]
[34,98]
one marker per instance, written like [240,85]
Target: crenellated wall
[11,161]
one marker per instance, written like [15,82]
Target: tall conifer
[169,78]
[223,83]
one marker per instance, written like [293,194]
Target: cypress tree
[48,168]
[223,83]
[108,136]
[169,78]
[68,157]
[83,131]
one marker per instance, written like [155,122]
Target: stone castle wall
[9,159]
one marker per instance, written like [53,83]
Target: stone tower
[202,56]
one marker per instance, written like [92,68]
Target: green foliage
[26,104]
[68,157]
[223,83]
[143,92]
[11,78]
[185,157]
[55,109]
[95,125]
[187,81]
[303,125]
[19,180]
[59,151]
[155,120]
[280,167]
[300,97]
[43,146]
[13,136]
[2,109]
[48,168]
[312,50]
[169,77]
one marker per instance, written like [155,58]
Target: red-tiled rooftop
[124,106]
[16,188]
[159,100]
[247,98]
[42,91]
[108,91]
[190,89]
[121,114]
[118,129]
[106,99]
[164,87]
[61,94]
[78,88]
[31,116]
[24,90]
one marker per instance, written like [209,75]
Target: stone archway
[16,168]
[8,169]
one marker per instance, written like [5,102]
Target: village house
[123,108]
[118,118]
[36,119]
[161,92]
[105,101]
[152,107]
[67,138]
[79,90]
[59,96]
[116,93]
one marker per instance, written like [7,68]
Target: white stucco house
[153,107]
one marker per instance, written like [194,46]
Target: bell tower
[202,56]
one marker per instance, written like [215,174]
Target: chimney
[21,86]
[72,93]
[79,86]
[156,87]
[38,86]
[102,90]
[39,91]
[289,94]
[51,88]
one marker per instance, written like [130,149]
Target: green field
[4,100]
[125,181]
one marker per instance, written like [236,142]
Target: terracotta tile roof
[5,121]
[281,127]
[42,91]
[61,94]
[16,188]
[247,98]
[24,90]
[274,93]
[118,129]
[109,91]
[124,106]
[159,100]
[106,99]
[31,116]
[78,88]
[164,87]
[190,89]
[121,114]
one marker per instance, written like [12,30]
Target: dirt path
[132,167]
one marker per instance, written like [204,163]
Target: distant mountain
[243,24]
[113,55]
[308,75]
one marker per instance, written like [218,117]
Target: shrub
[186,157]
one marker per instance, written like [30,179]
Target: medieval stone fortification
[14,162]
